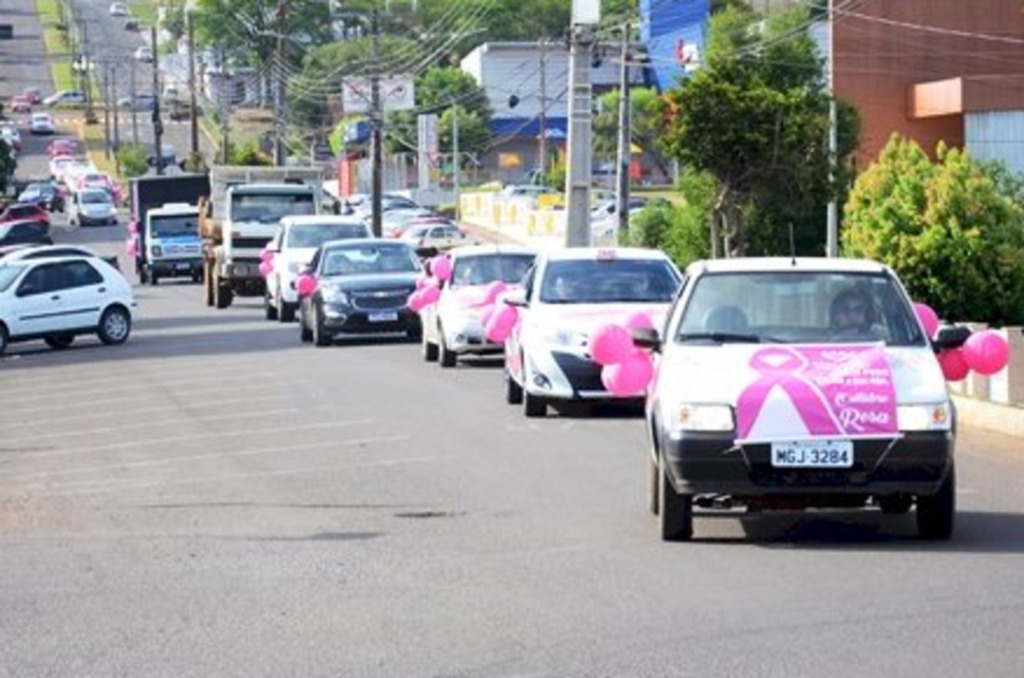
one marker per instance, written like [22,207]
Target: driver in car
[852,311]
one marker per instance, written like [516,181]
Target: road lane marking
[191,458]
[150,442]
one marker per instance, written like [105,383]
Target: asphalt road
[216,498]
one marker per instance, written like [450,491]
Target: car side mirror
[647,337]
[517,299]
[949,337]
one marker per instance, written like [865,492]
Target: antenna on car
[792,245]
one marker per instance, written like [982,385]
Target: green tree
[133,160]
[682,232]
[174,22]
[953,230]
[756,119]
[7,166]
[647,117]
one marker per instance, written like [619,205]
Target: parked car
[42,123]
[91,206]
[43,193]
[29,252]
[293,246]
[430,238]
[118,9]
[566,298]
[144,54]
[24,233]
[58,299]
[131,24]
[28,211]
[393,222]
[33,94]
[12,136]
[20,104]
[794,384]
[361,287]
[64,97]
[452,326]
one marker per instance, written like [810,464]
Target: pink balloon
[641,320]
[610,344]
[485,314]
[266,268]
[986,352]
[493,291]
[421,282]
[415,301]
[305,285]
[954,367]
[441,267]
[266,255]
[630,377]
[928,317]
[501,323]
[430,294]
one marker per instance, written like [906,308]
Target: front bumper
[170,268]
[97,218]
[342,319]
[470,338]
[561,375]
[710,463]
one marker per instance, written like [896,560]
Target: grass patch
[92,135]
[63,76]
[144,10]
[668,193]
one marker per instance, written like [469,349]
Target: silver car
[92,206]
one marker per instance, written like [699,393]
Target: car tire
[305,334]
[286,312]
[59,341]
[534,406]
[115,326]
[513,391]
[222,296]
[936,514]
[154,279]
[320,337]
[653,484]
[269,310]
[675,511]
[446,357]
[429,350]
[4,338]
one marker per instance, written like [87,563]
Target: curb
[991,416]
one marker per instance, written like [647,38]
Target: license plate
[813,454]
[382,316]
[182,266]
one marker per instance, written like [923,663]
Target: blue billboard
[674,32]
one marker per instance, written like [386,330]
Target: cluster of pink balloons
[626,370]
[428,289]
[985,352]
[305,285]
[266,263]
[131,246]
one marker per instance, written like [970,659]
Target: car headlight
[925,417]
[563,337]
[333,295]
[694,417]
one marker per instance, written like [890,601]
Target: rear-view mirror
[647,337]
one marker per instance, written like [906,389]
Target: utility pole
[158,125]
[625,139]
[376,124]
[225,126]
[282,18]
[106,110]
[113,106]
[542,151]
[133,95]
[577,227]
[832,239]
[90,114]
[193,117]
[456,165]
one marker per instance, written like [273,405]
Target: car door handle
[102,290]
[55,297]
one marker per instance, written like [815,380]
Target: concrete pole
[832,239]
[456,165]
[133,94]
[577,185]
[193,114]
[376,128]
[625,139]
[106,110]
[542,152]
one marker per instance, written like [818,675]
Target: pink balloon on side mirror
[610,344]
[493,291]
[266,268]
[415,301]
[928,317]
[430,294]
[501,323]
[441,266]
[986,352]
[305,285]
[630,376]
[641,320]
[266,255]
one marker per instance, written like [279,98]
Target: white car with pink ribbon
[566,333]
[805,383]
[453,326]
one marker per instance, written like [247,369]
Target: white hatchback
[293,246]
[60,298]
[568,295]
[42,123]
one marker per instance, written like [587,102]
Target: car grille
[249,243]
[381,299]
[583,374]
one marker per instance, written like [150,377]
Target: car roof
[590,253]
[477,250]
[363,242]
[773,264]
[323,219]
[30,250]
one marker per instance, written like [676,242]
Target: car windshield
[596,281]
[268,209]
[485,268]
[8,274]
[799,307]
[314,235]
[95,198]
[173,226]
[369,259]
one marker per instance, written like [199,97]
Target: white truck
[246,204]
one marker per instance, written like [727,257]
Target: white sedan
[118,9]
[42,123]
[60,298]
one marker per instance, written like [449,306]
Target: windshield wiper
[731,338]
